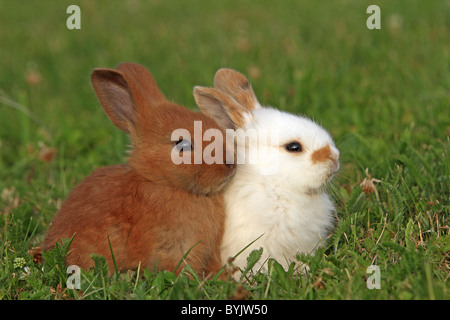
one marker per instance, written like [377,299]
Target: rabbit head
[161,131]
[299,152]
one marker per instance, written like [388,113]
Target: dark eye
[294,147]
[184,145]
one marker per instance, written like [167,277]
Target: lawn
[383,94]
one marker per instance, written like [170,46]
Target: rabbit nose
[335,163]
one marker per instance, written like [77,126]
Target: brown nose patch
[321,155]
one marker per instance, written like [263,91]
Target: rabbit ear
[126,93]
[115,96]
[143,87]
[237,86]
[226,111]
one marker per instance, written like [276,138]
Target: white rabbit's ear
[237,86]
[225,110]
[115,96]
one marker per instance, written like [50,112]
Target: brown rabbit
[151,209]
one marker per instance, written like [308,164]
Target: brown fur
[321,155]
[152,210]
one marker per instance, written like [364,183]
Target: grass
[383,94]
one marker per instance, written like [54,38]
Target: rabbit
[150,210]
[278,197]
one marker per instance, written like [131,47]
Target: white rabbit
[283,168]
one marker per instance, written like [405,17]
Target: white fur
[287,207]
[275,195]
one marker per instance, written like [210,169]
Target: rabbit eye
[183,145]
[294,147]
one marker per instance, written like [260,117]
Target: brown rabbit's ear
[127,94]
[237,86]
[143,86]
[226,111]
[115,96]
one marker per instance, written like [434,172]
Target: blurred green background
[383,94]
[314,58]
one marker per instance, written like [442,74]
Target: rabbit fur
[278,196]
[150,210]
